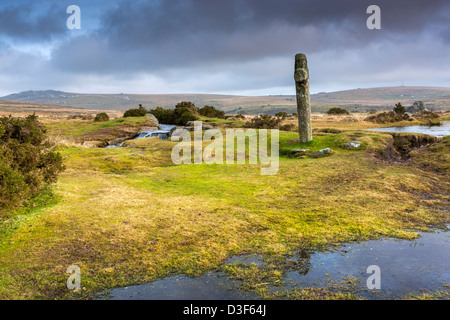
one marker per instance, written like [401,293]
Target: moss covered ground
[129,215]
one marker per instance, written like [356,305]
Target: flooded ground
[407,267]
[211,286]
[437,131]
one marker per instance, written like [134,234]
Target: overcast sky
[221,46]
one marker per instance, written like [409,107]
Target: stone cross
[301,76]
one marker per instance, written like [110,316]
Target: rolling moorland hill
[356,100]
[23,108]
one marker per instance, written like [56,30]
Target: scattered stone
[353,145]
[320,153]
[416,107]
[300,150]
[154,120]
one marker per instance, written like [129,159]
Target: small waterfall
[164,132]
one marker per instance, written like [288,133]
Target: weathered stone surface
[300,150]
[148,129]
[320,153]
[416,107]
[301,77]
[353,145]
[154,120]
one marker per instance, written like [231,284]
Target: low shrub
[427,115]
[337,111]
[399,109]
[181,115]
[101,117]
[388,117]
[289,127]
[264,121]
[211,112]
[81,116]
[281,114]
[135,112]
[27,164]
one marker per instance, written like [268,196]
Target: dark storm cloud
[28,22]
[144,35]
[223,45]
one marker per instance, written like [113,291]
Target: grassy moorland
[129,215]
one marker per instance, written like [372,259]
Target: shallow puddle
[210,286]
[407,267]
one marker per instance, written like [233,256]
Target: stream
[164,133]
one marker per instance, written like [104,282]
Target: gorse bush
[165,116]
[281,114]
[27,164]
[388,117]
[264,121]
[399,109]
[183,113]
[135,112]
[189,105]
[211,112]
[337,111]
[101,117]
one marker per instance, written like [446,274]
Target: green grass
[128,215]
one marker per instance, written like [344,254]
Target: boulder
[416,107]
[148,129]
[300,150]
[352,145]
[154,120]
[320,153]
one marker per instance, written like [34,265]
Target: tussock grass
[128,215]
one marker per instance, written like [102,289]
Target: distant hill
[356,100]
[24,108]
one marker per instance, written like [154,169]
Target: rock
[300,150]
[352,145]
[207,127]
[416,107]
[154,120]
[320,153]
[148,129]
